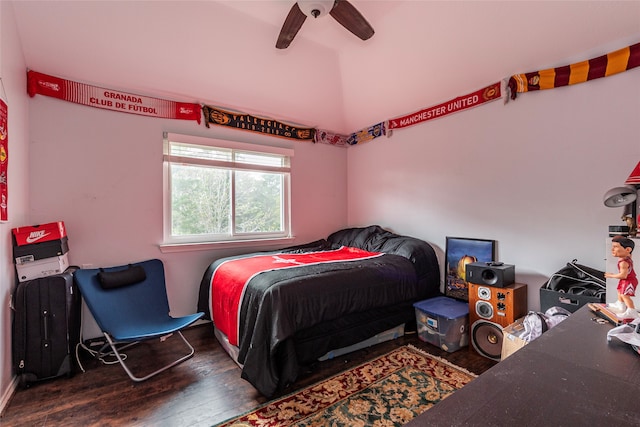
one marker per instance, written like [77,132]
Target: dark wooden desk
[570,376]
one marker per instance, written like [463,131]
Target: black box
[571,302]
[496,274]
[29,253]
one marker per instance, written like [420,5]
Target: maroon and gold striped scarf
[580,72]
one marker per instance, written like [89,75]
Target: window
[224,191]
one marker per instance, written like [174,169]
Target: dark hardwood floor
[202,391]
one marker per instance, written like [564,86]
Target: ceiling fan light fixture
[316,8]
[340,10]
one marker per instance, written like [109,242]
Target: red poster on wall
[4,158]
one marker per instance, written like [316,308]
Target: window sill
[207,246]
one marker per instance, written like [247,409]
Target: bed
[277,312]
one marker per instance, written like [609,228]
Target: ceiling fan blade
[349,17]
[291,26]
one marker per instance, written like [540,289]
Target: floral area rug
[387,391]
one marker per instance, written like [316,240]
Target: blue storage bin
[443,322]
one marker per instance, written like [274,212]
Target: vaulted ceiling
[223,53]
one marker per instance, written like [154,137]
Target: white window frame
[202,242]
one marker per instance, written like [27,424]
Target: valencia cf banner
[4,159]
[93,96]
[460,103]
[580,72]
[217,116]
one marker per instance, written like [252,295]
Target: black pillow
[116,279]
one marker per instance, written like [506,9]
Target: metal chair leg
[115,351]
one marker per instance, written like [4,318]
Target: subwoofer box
[487,339]
[494,274]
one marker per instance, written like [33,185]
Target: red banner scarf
[230,279]
[460,103]
[4,159]
[107,99]
[580,72]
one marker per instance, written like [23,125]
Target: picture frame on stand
[459,252]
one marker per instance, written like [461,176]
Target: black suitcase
[46,327]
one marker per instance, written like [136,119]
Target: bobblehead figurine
[622,248]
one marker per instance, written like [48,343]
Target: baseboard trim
[8,394]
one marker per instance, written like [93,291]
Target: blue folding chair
[130,305]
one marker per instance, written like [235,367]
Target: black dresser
[570,376]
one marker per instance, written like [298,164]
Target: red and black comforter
[280,293]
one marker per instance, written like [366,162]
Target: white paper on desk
[629,333]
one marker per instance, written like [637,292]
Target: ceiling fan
[341,10]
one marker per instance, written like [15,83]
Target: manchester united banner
[256,124]
[460,103]
[93,96]
[580,72]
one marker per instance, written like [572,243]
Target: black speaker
[494,274]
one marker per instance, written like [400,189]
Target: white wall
[101,173]
[12,72]
[530,174]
